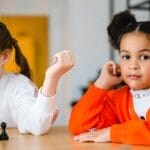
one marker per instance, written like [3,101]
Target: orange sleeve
[94,110]
[131,132]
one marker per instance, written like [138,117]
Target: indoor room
[43,28]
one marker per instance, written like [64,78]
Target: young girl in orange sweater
[119,115]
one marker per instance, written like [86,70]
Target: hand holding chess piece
[3,135]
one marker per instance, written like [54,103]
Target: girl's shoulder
[122,91]
[15,77]
[19,81]
[12,79]
[13,82]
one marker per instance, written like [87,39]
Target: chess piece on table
[3,135]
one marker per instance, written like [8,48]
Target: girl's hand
[63,61]
[110,76]
[102,135]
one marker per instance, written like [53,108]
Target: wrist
[52,75]
[49,86]
[47,93]
[102,84]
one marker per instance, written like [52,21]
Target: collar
[140,94]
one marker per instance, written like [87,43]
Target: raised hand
[110,76]
[63,61]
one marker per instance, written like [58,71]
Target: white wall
[84,25]
[79,25]
[87,25]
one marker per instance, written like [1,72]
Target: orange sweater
[100,108]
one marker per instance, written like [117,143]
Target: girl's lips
[134,77]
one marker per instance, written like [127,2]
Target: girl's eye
[125,57]
[144,57]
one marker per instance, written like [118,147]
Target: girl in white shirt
[21,104]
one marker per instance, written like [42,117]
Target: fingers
[65,58]
[102,135]
[72,58]
[113,68]
[69,57]
[87,139]
[63,61]
[55,60]
[88,136]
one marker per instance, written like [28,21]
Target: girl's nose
[134,65]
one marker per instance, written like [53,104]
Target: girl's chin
[138,88]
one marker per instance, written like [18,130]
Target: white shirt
[24,107]
[141,101]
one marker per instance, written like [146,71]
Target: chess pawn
[3,135]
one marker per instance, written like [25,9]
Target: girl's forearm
[49,86]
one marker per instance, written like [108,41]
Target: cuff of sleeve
[46,104]
[117,133]
[129,131]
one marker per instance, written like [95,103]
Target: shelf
[145,5]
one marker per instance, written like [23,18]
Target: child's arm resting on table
[95,109]
[130,132]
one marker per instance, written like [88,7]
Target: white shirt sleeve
[32,114]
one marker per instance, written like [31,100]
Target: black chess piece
[4,135]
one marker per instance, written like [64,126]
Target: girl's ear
[6,55]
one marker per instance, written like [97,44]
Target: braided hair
[122,23]
[8,42]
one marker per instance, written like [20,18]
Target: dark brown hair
[8,42]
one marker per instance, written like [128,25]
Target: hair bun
[120,21]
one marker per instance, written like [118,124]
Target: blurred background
[44,27]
